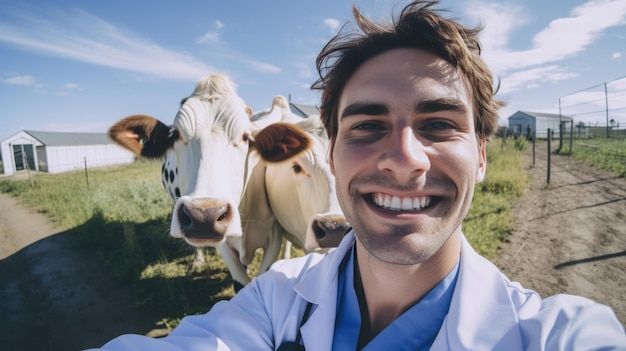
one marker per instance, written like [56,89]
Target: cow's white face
[301,192]
[205,155]
[210,156]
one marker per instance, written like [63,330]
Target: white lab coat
[487,312]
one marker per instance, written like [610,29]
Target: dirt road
[570,238]
[53,297]
[570,234]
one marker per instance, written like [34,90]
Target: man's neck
[385,290]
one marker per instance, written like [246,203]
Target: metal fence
[598,111]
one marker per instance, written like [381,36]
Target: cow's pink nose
[329,230]
[199,221]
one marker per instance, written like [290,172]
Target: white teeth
[416,203]
[407,203]
[397,203]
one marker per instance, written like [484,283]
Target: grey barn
[527,123]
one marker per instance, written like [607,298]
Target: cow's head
[297,189]
[301,190]
[207,146]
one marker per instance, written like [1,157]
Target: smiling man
[409,107]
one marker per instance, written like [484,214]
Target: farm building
[303,110]
[56,152]
[528,123]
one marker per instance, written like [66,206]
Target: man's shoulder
[573,320]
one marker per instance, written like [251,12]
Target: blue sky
[80,66]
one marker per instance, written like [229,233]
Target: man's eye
[369,126]
[439,125]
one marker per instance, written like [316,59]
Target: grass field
[123,218]
[606,154]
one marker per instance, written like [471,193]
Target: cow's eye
[297,169]
[245,137]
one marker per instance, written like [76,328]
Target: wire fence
[598,111]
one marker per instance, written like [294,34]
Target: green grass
[123,218]
[490,219]
[605,154]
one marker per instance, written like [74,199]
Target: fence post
[534,139]
[549,141]
[571,137]
[86,173]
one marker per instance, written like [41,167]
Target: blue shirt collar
[415,329]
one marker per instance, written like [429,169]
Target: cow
[206,147]
[292,197]
[205,155]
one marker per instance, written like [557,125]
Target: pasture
[123,218]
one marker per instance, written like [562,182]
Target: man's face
[406,157]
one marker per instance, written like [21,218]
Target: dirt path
[570,238]
[53,297]
[570,235]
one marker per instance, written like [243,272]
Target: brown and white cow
[291,195]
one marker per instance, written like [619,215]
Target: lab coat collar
[482,315]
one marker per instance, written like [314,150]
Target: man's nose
[406,155]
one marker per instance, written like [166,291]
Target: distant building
[56,152]
[304,111]
[527,123]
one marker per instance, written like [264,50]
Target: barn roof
[545,115]
[69,139]
[304,110]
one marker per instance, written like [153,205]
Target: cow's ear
[280,141]
[143,135]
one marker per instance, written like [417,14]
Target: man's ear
[482,160]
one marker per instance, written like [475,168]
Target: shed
[528,123]
[57,152]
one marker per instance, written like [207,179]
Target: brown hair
[418,26]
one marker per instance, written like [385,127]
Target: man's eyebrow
[360,108]
[443,104]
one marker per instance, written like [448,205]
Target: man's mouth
[398,203]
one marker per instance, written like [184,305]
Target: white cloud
[80,36]
[532,77]
[19,80]
[212,36]
[616,55]
[72,86]
[263,67]
[562,38]
[331,23]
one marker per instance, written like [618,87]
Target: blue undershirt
[415,329]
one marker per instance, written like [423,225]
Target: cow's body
[294,198]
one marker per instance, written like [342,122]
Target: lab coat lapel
[482,314]
[319,286]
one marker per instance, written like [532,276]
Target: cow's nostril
[186,221]
[319,232]
[223,216]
